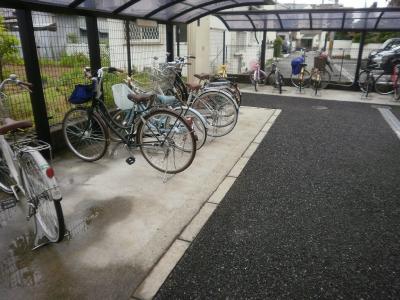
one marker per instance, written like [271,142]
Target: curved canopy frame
[164,11]
[340,19]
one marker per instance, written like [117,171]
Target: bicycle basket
[296,65]
[81,94]
[120,94]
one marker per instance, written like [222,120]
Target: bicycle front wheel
[397,89]
[166,141]
[219,110]
[85,134]
[300,80]
[384,84]
[47,211]
[197,122]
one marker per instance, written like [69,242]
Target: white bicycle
[23,168]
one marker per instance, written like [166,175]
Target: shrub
[278,46]
[74,60]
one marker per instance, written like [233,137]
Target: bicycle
[162,136]
[214,103]
[396,82]
[257,76]
[315,80]
[275,78]
[380,83]
[124,113]
[366,80]
[23,168]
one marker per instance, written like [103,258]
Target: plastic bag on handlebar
[82,93]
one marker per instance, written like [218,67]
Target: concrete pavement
[122,220]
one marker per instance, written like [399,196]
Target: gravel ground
[315,213]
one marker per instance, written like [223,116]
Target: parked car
[386,59]
[388,45]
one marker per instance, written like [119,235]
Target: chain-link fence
[63,52]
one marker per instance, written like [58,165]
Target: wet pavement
[121,220]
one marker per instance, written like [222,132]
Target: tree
[278,46]
[8,47]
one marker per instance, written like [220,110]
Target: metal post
[170,41]
[359,59]
[263,46]
[32,70]
[128,47]
[93,43]
[178,41]
[223,48]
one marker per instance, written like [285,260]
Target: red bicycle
[396,82]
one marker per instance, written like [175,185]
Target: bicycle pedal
[130,160]
[8,203]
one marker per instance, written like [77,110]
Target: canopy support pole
[359,59]
[223,48]
[128,47]
[178,41]
[32,69]
[263,46]
[94,44]
[169,34]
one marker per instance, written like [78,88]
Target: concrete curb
[159,273]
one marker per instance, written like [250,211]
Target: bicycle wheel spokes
[167,142]
[85,134]
[384,84]
[219,111]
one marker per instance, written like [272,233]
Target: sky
[348,3]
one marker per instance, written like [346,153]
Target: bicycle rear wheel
[47,211]
[6,180]
[85,134]
[166,141]
[325,79]
[384,84]
[219,110]
[198,124]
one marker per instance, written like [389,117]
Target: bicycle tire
[325,79]
[6,180]
[199,126]
[383,84]
[295,79]
[121,118]
[150,136]
[48,211]
[362,77]
[85,126]
[219,110]
[396,89]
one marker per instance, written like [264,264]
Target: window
[182,29]
[143,33]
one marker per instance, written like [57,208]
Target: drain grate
[319,107]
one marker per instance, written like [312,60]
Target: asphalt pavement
[314,214]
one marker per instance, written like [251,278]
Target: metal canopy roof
[367,19]
[179,11]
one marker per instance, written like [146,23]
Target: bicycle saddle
[12,125]
[202,76]
[140,98]
[303,64]
[193,86]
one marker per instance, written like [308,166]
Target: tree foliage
[278,46]
[8,47]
